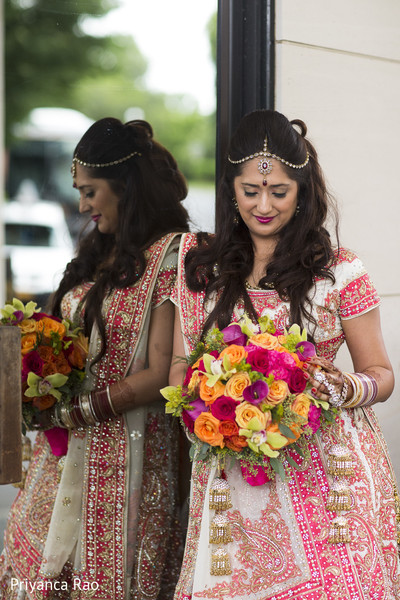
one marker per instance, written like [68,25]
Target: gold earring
[236,205]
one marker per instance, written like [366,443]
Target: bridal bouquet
[245,395]
[53,357]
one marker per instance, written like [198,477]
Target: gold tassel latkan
[26,448]
[220,495]
[339,497]
[340,462]
[220,563]
[339,531]
[220,530]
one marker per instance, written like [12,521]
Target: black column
[245,64]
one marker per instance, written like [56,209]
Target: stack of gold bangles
[364,388]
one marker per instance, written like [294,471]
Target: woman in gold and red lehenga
[329,530]
[101,522]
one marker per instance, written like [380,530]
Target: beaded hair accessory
[264,165]
[100,165]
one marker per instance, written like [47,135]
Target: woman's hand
[326,380]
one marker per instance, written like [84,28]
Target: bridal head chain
[100,165]
[265,163]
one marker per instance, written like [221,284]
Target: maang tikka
[264,165]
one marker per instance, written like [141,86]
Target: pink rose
[314,417]
[224,408]
[31,362]
[297,382]
[188,376]
[258,359]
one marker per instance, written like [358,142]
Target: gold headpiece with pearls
[265,165]
[100,165]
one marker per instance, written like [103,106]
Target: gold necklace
[267,286]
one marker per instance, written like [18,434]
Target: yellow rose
[236,384]
[301,405]
[28,342]
[235,353]
[194,383]
[265,340]
[27,326]
[278,391]
[206,427]
[246,411]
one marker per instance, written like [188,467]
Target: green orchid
[18,306]
[276,440]
[41,386]
[217,369]
[247,326]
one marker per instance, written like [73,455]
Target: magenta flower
[258,359]
[305,350]
[223,408]
[256,392]
[31,362]
[297,382]
[188,376]
[233,335]
[189,416]
[314,414]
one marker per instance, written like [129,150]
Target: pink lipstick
[264,219]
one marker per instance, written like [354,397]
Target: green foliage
[46,52]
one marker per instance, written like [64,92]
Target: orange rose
[228,428]
[206,427]
[265,340]
[49,368]
[246,411]
[235,353]
[236,442]
[27,326]
[43,402]
[48,326]
[210,394]
[236,384]
[62,365]
[301,405]
[76,359]
[28,342]
[46,353]
[278,391]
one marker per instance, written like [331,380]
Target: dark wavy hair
[222,263]
[150,189]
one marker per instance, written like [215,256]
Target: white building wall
[338,69]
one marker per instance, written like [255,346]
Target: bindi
[264,182]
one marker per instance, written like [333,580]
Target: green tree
[50,61]
[47,52]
